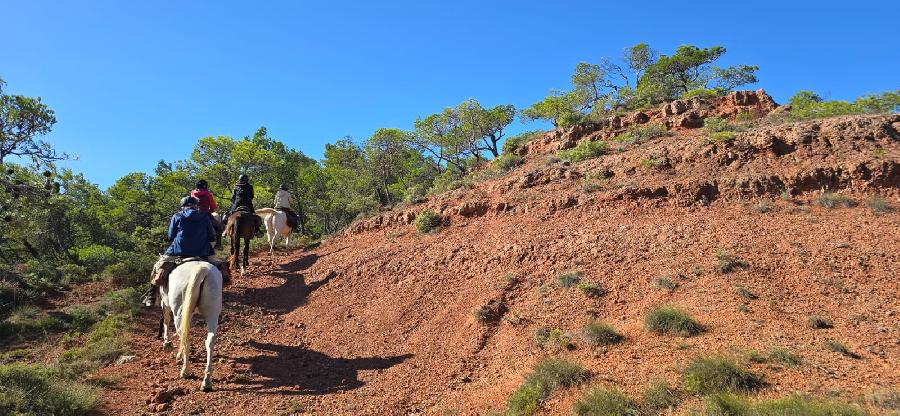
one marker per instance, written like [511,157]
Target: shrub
[569,279]
[806,406]
[133,269]
[591,289]
[659,396]
[664,283]
[74,272]
[41,278]
[807,105]
[840,348]
[764,205]
[40,390]
[885,398]
[671,320]
[10,296]
[602,402]
[547,376]
[96,257]
[818,322]
[832,200]
[513,143]
[104,344]
[728,262]
[125,301]
[879,205]
[584,151]
[427,220]
[784,356]
[640,134]
[82,317]
[26,320]
[650,163]
[600,333]
[506,162]
[718,374]
[555,338]
[745,293]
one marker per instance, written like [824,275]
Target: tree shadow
[311,372]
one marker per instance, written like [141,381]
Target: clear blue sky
[135,82]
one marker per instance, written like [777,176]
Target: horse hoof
[206,385]
[185,374]
[167,345]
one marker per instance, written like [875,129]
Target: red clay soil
[379,320]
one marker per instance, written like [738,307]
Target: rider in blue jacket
[191,234]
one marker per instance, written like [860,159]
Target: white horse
[194,285]
[276,226]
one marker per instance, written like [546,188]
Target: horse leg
[211,327]
[165,321]
[247,252]
[177,320]
[273,236]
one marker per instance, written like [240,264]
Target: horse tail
[265,212]
[191,297]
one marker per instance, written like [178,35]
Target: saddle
[293,220]
[166,268]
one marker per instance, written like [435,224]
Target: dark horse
[241,225]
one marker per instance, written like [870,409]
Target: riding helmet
[283,187]
[243,178]
[189,201]
[202,184]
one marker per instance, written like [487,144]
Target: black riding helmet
[283,187]
[243,179]
[202,184]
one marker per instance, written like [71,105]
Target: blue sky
[135,82]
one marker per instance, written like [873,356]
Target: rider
[283,201]
[242,199]
[191,234]
[207,204]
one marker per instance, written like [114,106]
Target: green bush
[718,129]
[548,375]
[556,338]
[879,205]
[42,278]
[74,272]
[664,283]
[671,320]
[11,296]
[125,302]
[27,389]
[507,161]
[513,143]
[806,105]
[103,345]
[584,151]
[745,293]
[602,402]
[718,374]
[726,404]
[96,257]
[832,200]
[591,289]
[26,320]
[569,279]
[840,348]
[133,269]
[449,180]
[818,322]
[640,134]
[728,262]
[659,396]
[600,333]
[83,317]
[784,356]
[427,220]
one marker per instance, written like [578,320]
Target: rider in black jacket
[242,200]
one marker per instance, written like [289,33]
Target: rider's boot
[148,299]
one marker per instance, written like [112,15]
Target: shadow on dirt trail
[310,372]
[289,295]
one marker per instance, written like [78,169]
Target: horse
[193,286]
[276,226]
[241,225]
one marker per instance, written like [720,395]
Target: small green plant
[489,312]
[600,401]
[728,262]
[764,205]
[664,283]
[840,348]
[783,356]
[569,279]
[745,293]
[722,136]
[547,376]
[28,320]
[879,153]
[832,200]
[27,389]
[481,314]
[427,220]
[818,322]
[555,338]
[712,374]
[729,404]
[507,162]
[718,129]
[659,396]
[744,117]
[600,333]
[671,320]
[513,143]
[650,163]
[584,151]
[591,289]
[885,398]
[878,205]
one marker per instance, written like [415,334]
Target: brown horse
[241,225]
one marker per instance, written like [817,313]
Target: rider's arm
[173,228]
[210,231]
[212,202]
